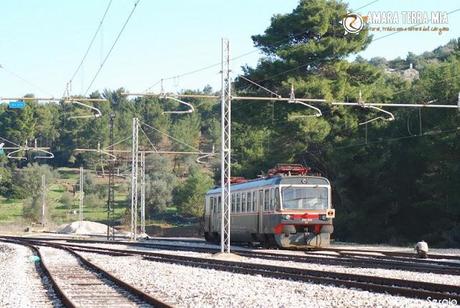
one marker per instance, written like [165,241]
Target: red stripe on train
[304,216]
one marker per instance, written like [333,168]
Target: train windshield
[308,198]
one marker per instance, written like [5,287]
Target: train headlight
[330,213]
[322,217]
[286,217]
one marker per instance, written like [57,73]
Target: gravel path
[196,287]
[20,284]
[389,273]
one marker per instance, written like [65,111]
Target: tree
[28,184]
[189,196]
[160,182]
[311,32]
[28,181]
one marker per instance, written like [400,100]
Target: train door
[211,213]
[217,213]
[260,209]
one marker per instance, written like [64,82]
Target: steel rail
[413,264]
[348,251]
[133,290]
[405,265]
[142,296]
[407,288]
[60,294]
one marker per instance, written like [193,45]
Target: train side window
[243,202]
[272,198]
[212,204]
[266,199]
[233,203]
[254,200]
[277,199]
[261,201]
[249,201]
[219,204]
[238,202]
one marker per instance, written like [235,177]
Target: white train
[289,208]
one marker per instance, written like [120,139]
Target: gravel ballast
[20,284]
[388,273]
[197,287]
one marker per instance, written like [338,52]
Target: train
[288,208]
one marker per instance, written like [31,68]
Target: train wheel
[208,237]
[269,241]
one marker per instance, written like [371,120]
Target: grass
[59,213]
[11,209]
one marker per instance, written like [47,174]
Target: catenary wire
[173,138]
[236,57]
[4,139]
[148,139]
[24,80]
[113,46]
[91,42]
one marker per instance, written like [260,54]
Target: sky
[43,41]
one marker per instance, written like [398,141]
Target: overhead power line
[113,46]
[90,43]
[306,64]
[24,80]
[171,137]
[198,70]
[426,134]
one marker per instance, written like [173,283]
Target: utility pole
[80,212]
[226,101]
[111,192]
[142,192]
[43,200]
[134,174]
[226,130]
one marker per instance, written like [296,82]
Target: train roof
[276,180]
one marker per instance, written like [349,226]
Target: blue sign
[16,105]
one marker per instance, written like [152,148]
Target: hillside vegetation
[395,182]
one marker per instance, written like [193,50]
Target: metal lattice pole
[43,200]
[142,192]
[111,192]
[80,209]
[134,174]
[226,120]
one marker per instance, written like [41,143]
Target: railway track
[348,260]
[407,288]
[80,283]
[360,261]
[393,255]
[384,253]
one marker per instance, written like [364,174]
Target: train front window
[308,198]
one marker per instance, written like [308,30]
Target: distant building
[409,74]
